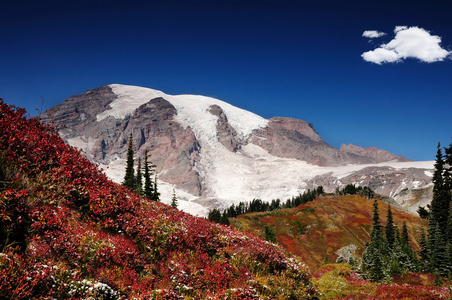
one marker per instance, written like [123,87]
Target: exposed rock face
[77,115]
[292,138]
[411,199]
[216,154]
[373,154]
[225,132]
[383,180]
[174,149]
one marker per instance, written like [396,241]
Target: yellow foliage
[332,286]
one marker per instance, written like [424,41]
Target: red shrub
[68,212]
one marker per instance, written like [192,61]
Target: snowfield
[229,177]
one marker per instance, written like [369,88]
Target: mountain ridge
[216,154]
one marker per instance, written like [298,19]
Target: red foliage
[393,291]
[68,212]
[32,279]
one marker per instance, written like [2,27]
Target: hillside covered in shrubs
[67,231]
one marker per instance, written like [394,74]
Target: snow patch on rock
[192,110]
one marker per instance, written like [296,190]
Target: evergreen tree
[375,254]
[405,238]
[422,212]
[174,199]
[424,253]
[438,256]
[129,178]
[376,268]
[139,178]
[214,215]
[389,229]
[224,219]
[448,170]
[405,244]
[449,258]
[440,202]
[270,234]
[232,212]
[375,233]
[449,226]
[440,219]
[155,194]
[148,190]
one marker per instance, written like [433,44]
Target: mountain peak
[215,154]
[379,155]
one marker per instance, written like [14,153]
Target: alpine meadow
[225,150]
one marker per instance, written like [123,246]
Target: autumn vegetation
[67,231]
[332,232]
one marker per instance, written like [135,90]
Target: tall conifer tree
[405,238]
[129,178]
[438,255]
[376,252]
[440,202]
[155,193]
[439,219]
[174,199]
[148,189]
[449,226]
[424,253]
[448,170]
[389,229]
[407,249]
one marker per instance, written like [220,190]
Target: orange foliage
[331,222]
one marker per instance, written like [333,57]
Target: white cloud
[371,34]
[381,55]
[409,42]
[399,28]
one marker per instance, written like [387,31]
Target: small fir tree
[375,254]
[155,193]
[449,258]
[214,215]
[129,178]
[224,219]
[389,229]
[405,238]
[270,234]
[377,268]
[424,253]
[148,189]
[405,244]
[449,226]
[174,199]
[438,256]
[375,233]
[423,213]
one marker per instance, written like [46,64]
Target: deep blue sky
[289,58]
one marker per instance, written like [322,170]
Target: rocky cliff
[215,154]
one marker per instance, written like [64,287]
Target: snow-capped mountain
[216,154]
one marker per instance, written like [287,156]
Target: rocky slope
[216,154]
